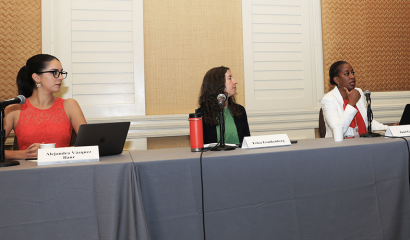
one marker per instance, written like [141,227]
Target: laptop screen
[405,118]
[110,137]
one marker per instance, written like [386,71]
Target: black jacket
[242,127]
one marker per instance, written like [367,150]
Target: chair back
[322,125]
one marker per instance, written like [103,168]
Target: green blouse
[231,134]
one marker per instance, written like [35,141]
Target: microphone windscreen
[367,92]
[22,99]
[221,97]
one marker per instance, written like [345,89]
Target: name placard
[51,156]
[398,131]
[266,141]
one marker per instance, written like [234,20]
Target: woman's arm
[378,126]
[30,152]
[74,113]
[12,113]
[330,107]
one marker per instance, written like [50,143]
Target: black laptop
[405,117]
[110,137]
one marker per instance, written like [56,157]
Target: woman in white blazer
[345,105]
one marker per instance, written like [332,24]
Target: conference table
[314,189]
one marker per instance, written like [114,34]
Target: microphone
[19,99]
[367,94]
[221,99]
[369,118]
[221,145]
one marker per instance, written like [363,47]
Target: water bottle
[196,132]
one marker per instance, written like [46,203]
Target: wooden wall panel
[20,38]
[374,36]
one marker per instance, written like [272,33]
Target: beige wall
[168,142]
[183,39]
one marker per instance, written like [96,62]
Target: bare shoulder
[70,103]
[12,109]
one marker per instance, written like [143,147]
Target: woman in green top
[216,81]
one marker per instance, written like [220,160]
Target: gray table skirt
[315,189]
[97,200]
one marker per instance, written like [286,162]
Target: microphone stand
[222,146]
[369,121]
[3,161]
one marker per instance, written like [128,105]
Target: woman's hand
[353,96]
[31,151]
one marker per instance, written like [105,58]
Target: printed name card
[398,131]
[266,141]
[51,156]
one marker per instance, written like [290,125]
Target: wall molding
[387,108]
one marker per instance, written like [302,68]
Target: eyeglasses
[56,73]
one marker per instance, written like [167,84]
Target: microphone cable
[202,185]
[202,191]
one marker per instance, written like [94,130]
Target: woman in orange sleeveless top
[43,118]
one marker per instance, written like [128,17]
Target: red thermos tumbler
[196,132]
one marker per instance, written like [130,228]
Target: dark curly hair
[334,70]
[35,64]
[212,85]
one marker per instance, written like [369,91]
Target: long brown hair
[212,85]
